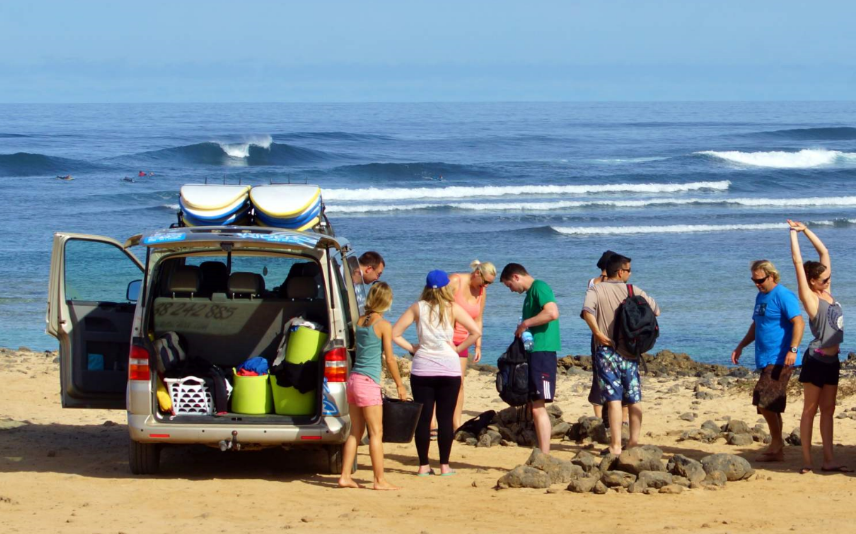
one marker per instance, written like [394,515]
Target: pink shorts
[363,391]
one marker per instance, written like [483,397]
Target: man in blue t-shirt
[777,329]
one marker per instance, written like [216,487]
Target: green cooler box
[304,345]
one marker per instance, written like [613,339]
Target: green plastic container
[251,394]
[304,345]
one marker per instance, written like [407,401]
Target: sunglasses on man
[760,281]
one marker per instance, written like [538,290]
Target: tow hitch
[231,444]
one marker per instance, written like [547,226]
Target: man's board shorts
[363,391]
[617,376]
[771,391]
[542,376]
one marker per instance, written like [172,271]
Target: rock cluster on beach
[734,432]
[637,470]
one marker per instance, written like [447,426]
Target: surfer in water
[67,177]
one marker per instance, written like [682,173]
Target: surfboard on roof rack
[296,207]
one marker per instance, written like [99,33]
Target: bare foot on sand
[383,485]
[348,483]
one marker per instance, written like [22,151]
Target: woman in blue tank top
[821,366]
[365,402]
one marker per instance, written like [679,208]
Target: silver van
[229,292]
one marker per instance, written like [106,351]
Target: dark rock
[559,471]
[739,440]
[688,468]
[734,467]
[560,429]
[710,425]
[705,435]
[704,395]
[736,426]
[472,441]
[715,478]
[463,436]
[618,479]
[484,441]
[599,488]
[608,463]
[794,438]
[636,487]
[527,438]
[681,481]
[672,489]
[654,479]
[583,484]
[739,372]
[638,459]
[688,416]
[524,476]
[586,461]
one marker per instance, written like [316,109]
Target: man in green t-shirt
[541,318]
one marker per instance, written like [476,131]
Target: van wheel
[334,460]
[144,458]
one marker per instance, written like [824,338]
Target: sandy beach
[66,471]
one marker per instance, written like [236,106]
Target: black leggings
[442,390]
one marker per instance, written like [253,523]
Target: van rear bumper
[328,431]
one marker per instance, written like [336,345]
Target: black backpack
[512,380]
[636,328]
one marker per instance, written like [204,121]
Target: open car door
[91,302]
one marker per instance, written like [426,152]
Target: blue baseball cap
[437,279]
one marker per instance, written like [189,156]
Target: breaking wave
[804,159]
[455,192]
[686,228]
[574,204]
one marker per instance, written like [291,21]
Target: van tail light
[138,364]
[336,365]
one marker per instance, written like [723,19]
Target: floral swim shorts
[617,376]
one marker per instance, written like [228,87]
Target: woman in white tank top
[435,377]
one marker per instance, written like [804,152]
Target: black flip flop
[839,469]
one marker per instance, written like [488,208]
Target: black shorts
[820,372]
[542,376]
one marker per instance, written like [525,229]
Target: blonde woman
[365,403]
[821,367]
[470,295]
[435,377]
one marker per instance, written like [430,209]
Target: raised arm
[463,318]
[403,323]
[807,296]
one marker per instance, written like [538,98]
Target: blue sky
[332,51]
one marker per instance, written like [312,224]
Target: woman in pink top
[470,295]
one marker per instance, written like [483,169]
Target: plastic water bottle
[528,340]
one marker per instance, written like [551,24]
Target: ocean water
[692,192]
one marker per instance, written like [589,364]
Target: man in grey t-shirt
[618,371]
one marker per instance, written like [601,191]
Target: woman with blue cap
[435,376]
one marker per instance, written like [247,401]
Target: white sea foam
[804,159]
[455,192]
[242,150]
[672,229]
[570,204]
[682,228]
[174,207]
[620,161]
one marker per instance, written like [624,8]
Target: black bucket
[399,420]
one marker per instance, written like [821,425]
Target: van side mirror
[133,292]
